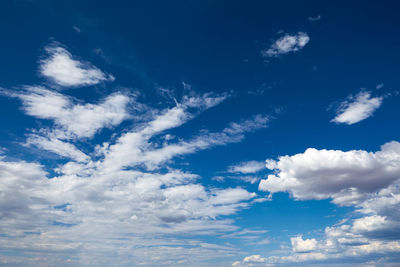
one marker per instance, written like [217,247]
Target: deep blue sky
[159,53]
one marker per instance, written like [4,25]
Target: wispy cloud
[57,146]
[357,108]
[286,44]
[123,192]
[247,167]
[316,18]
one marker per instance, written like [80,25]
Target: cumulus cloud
[357,108]
[301,245]
[368,181]
[60,67]
[345,176]
[286,44]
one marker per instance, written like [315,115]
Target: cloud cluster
[357,108]
[367,181]
[108,204]
[286,44]
[120,201]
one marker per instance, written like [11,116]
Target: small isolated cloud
[357,108]
[286,44]
[76,28]
[315,18]
[60,67]
[247,167]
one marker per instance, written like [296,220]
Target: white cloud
[346,177]
[368,181]
[100,207]
[74,119]
[301,245]
[133,148]
[57,146]
[247,167]
[286,44]
[357,108]
[61,68]
[253,258]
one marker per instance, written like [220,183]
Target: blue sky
[199,133]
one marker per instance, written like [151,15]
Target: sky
[199,133]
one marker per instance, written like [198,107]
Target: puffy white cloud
[61,68]
[247,167]
[348,177]
[357,108]
[368,181]
[286,44]
[301,245]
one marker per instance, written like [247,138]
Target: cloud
[301,245]
[122,200]
[60,67]
[367,181]
[74,120]
[253,258]
[247,167]
[57,146]
[357,108]
[345,176]
[286,44]
[133,149]
[316,18]
[76,28]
